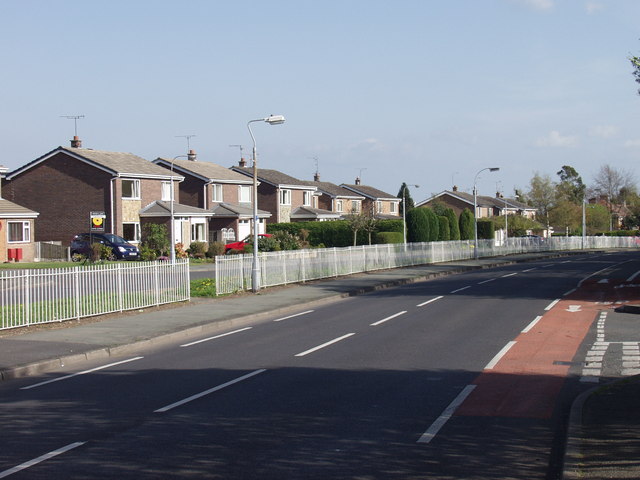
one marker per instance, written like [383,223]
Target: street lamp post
[255,266]
[475,210]
[404,213]
[172,249]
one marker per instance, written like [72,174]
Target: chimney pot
[316,177]
[243,163]
[357,180]
[192,155]
[76,142]
[455,188]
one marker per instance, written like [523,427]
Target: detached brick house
[486,206]
[334,198]
[67,184]
[223,193]
[16,230]
[286,198]
[381,204]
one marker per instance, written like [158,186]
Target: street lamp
[475,210]
[255,267]
[172,250]
[404,212]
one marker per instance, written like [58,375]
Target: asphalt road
[395,384]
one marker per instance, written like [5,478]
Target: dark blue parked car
[122,250]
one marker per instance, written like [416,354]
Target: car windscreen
[114,238]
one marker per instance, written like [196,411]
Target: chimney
[357,180]
[499,195]
[192,155]
[76,142]
[243,163]
[455,188]
[316,177]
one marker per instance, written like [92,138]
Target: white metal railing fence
[233,272]
[33,296]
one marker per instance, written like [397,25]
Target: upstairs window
[131,189]
[285,197]
[306,198]
[166,191]
[339,206]
[244,194]
[216,193]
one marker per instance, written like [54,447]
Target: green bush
[198,249]
[215,249]
[486,229]
[156,238]
[388,237]
[443,231]
[147,254]
[466,225]
[454,227]
[434,225]
[417,225]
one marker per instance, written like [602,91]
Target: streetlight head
[494,169]
[274,119]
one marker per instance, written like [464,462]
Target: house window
[216,193]
[306,198]
[197,232]
[244,193]
[378,207]
[19,231]
[131,232]
[339,206]
[131,189]
[393,207]
[285,197]
[166,191]
[355,206]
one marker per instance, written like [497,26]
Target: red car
[241,244]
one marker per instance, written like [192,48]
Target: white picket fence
[233,272]
[33,296]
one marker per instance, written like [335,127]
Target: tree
[597,219]
[466,222]
[635,62]
[567,215]
[571,187]
[417,225]
[454,228]
[155,239]
[444,233]
[542,196]
[433,224]
[404,194]
[356,222]
[612,185]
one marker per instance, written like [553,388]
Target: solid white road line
[569,292]
[388,318]
[435,427]
[460,289]
[211,390]
[79,373]
[500,354]
[509,275]
[532,324]
[292,316]
[552,304]
[217,336]
[487,281]
[529,269]
[429,301]
[41,458]
[306,352]
[632,277]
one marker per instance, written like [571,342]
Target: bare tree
[542,196]
[611,185]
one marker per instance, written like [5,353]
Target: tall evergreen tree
[454,228]
[405,194]
[417,225]
[466,225]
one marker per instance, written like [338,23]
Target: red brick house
[16,230]
[66,184]
[381,204]
[330,197]
[225,194]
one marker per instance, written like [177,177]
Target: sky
[426,92]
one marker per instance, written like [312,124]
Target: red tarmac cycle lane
[528,378]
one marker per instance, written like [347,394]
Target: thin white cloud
[632,143]
[593,7]
[603,131]
[554,139]
[538,4]
[370,145]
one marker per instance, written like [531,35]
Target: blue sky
[425,92]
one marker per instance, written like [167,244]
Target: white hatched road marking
[435,427]
[211,390]
[79,373]
[429,301]
[331,342]
[41,458]
[388,318]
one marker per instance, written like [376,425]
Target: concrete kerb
[216,325]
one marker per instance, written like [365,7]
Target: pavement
[603,438]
